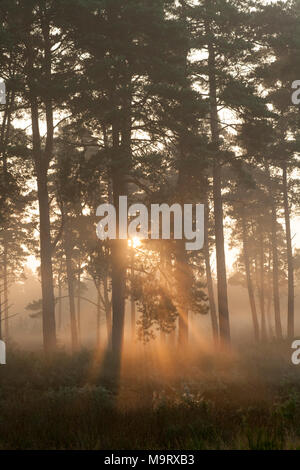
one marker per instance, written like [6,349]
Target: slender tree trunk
[262,287]
[59,303]
[5,132]
[269,294]
[182,269]
[184,281]
[224,323]
[5,287]
[290,261]
[269,322]
[119,265]
[274,241]
[119,250]
[79,303]
[42,161]
[183,286]
[132,301]
[170,272]
[133,318]
[209,279]
[163,336]
[71,290]
[107,312]
[121,165]
[98,317]
[249,279]
[4,126]
[49,329]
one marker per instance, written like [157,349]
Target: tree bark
[210,286]
[132,301]
[5,132]
[119,258]
[49,329]
[274,241]
[249,279]
[5,287]
[120,168]
[108,306]
[183,278]
[59,303]
[269,293]
[71,291]
[262,287]
[42,160]
[290,261]
[98,329]
[224,323]
[79,302]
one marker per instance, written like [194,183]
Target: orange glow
[32,263]
[134,242]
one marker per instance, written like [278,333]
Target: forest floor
[249,399]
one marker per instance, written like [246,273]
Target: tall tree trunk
[5,286]
[276,298]
[290,261]
[132,301]
[98,330]
[5,133]
[107,313]
[79,302]
[210,286]
[133,318]
[119,265]
[121,166]
[262,287]
[71,291]
[59,303]
[118,296]
[224,323]
[268,315]
[249,279]
[5,130]
[269,294]
[184,280]
[183,273]
[42,160]
[49,329]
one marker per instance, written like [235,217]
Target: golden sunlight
[32,263]
[135,242]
